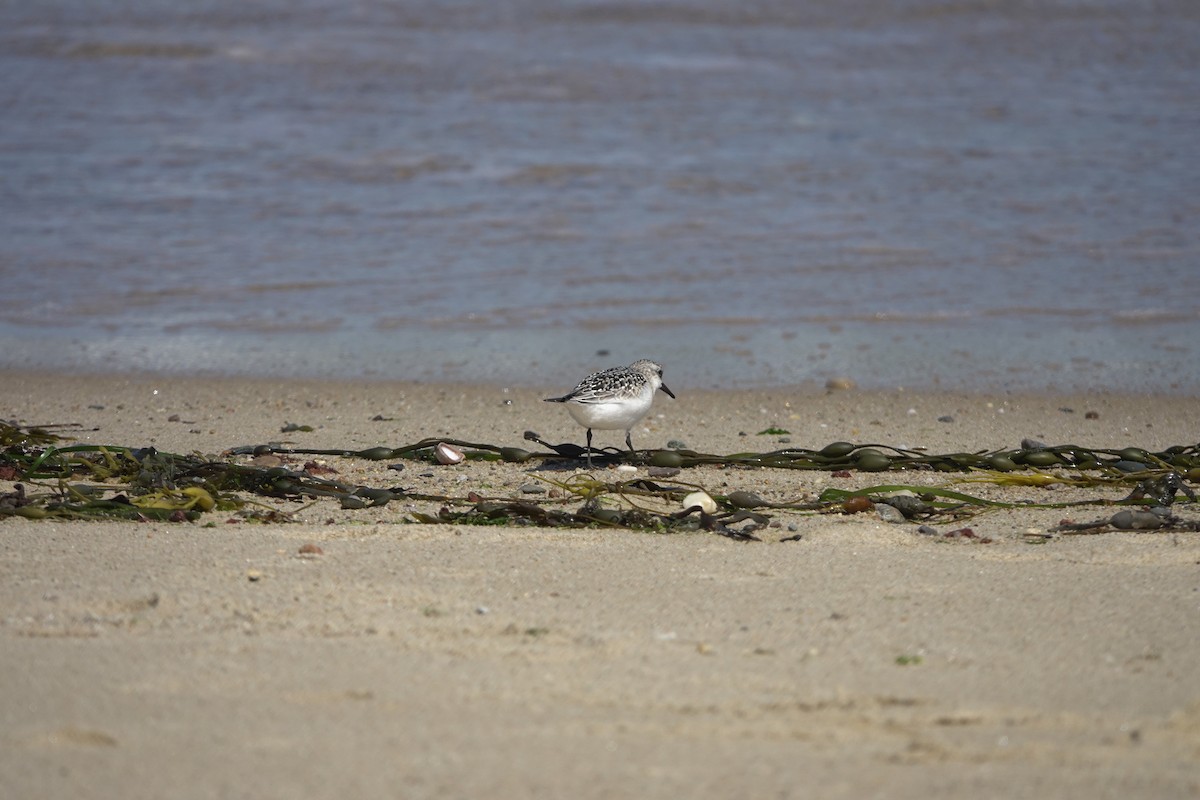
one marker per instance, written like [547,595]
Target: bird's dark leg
[628,441]
[589,447]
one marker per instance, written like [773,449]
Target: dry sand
[408,660]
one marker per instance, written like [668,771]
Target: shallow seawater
[967,195]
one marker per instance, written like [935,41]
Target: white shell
[628,469]
[706,503]
[448,454]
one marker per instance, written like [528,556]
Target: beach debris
[268,460]
[966,533]
[889,513]
[700,500]
[1131,519]
[310,549]
[515,455]
[857,504]
[743,499]
[666,459]
[15,500]
[62,480]
[868,459]
[448,454]
[722,524]
[1162,489]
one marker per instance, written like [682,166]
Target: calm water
[979,195]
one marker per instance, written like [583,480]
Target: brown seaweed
[145,483]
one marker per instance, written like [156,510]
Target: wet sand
[865,659]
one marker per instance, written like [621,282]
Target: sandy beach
[841,656]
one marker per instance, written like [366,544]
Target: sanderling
[614,399]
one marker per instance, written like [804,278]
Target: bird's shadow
[573,454]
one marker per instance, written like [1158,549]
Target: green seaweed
[145,483]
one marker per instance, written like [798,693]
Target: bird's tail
[562,399]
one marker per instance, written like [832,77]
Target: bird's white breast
[612,415]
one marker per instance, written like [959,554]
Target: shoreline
[933,355]
[705,419]
[357,648]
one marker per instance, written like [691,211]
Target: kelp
[145,483]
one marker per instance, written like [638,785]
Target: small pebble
[945,418]
[744,499]
[627,469]
[267,461]
[889,513]
[927,530]
[1092,415]
[961,533]
[253,575]
[840,383]
[532,488]
[857,505]
[662,472]
[397,467]
[1138,520]
[311,549]
[676,444]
